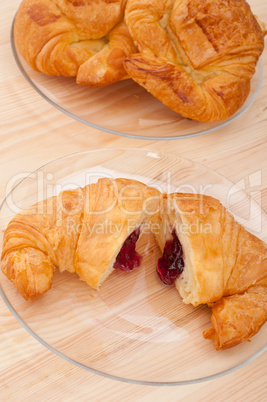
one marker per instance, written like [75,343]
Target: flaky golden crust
[83,38]
[196,56]
[237,318]
[221,258]
[223,263]
[30,270]
[40,239]
[106,67]
[83,231]
[115,208]
[79,231]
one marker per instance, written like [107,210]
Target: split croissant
[223,263]
[81,231]
[85,231]
[83,38]
[196,56]
[220,257]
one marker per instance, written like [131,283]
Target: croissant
[83,38]
[237,318]
[196,56]
[205,252]
[94,230]
[90,231]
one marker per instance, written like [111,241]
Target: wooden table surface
[32,133]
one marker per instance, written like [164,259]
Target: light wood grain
[32,133]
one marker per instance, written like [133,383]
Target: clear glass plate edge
[103,374]
[126,380]
[142,137]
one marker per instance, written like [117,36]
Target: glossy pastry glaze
[196,56]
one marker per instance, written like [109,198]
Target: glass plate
[123,108]
[134,328]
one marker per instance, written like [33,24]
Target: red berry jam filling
[128,258]
[171,264]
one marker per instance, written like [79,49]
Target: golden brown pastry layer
[237,318]
[196,56]
[83,38]
[84,231]
[223,263]
[220,257]
[79,231]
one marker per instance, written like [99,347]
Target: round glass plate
[123,108]
[134,328]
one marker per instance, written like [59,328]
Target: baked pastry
[211,258]
[117,211]
[237,318]
[205,252]
[196,56]
[94,230]
[83,38]
[91,231]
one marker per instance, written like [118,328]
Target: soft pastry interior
[212,259]
[90,231]
[87,39]
[94,230]
[195,56]
[120,208]
[219,257]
